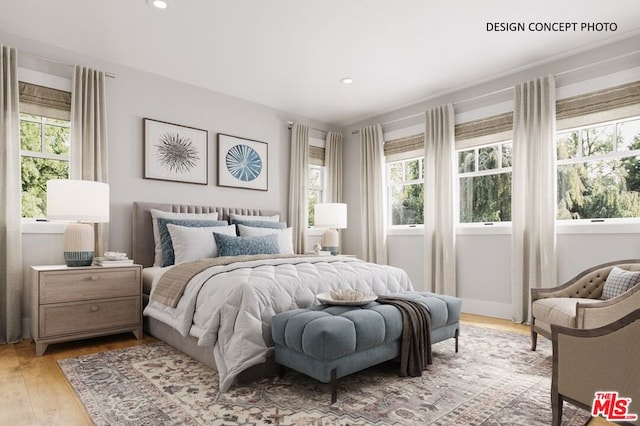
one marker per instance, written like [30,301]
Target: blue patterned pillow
[618,281]
[237,246]
[259,224]
[168,257]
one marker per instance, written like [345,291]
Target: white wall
[133,95]
[484,257]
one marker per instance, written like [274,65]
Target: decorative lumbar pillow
[165,238]
[238,246]
[191,244]
[285,236]
[155,214]
[235,216]
[618,281]
[260,223]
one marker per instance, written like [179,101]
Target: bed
[221,315]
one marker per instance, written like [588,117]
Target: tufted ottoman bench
[327,342]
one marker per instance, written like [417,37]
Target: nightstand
[80,302]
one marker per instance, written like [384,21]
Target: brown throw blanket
[415,353]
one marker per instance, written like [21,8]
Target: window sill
[608,226]
[406,230]
[31,226]
[488,228]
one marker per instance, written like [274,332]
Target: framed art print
[175,153]
[242,163]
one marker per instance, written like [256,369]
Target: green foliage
[407,201]
[36,171]
[599,188]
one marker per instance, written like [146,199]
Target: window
[599,171]
[405,192]
[316,189]
[484,178]
[44,151]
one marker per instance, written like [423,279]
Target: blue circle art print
[243,162]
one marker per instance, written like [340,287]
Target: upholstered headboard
[143,247]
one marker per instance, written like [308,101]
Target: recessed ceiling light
[346,80]
[158,4]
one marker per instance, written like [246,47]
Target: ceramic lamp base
[78,244]
[330,241]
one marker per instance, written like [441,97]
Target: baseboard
[26,328]
[487,308]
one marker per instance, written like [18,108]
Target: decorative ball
[317,247]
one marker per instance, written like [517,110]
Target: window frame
[59,82]
[615,154]
[321,189]
[389,185]
[478,173]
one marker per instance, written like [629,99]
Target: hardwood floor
[34,391]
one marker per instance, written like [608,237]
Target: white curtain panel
[89,137]
[298,184]
[374,244]
[439,201]
[10,178]
[533,192]
[333,167]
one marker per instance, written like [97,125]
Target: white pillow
[155,214]
[285,236]
[274,218]
[191,243]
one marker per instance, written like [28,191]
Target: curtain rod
[290,125]
[495,92]
[53,61]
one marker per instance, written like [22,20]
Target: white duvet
[230,307]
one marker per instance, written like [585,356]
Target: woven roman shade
[600,101]
[44,101]
[316,155]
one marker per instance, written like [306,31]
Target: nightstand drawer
[91,284]
[69,318]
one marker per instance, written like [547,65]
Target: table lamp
[84,202]
[333,216]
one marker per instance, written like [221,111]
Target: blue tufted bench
[328,342]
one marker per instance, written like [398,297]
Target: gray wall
[133,95]
[484,258]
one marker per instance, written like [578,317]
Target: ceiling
[291,54]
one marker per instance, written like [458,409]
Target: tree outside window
[316,190]
[599,171]
[405,192]
[44,149]
[484,175]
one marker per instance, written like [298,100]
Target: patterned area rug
[493,380]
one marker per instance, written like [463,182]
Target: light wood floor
[34,391]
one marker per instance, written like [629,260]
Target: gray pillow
[259,224]
[168,257]
[229,245]
[618,281]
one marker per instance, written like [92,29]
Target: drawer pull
[94,278]
[94,308]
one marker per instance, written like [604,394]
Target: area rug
[494,379]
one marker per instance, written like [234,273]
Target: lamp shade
[330,215]
[79,200]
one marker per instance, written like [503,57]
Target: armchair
[602,359]
[577,303]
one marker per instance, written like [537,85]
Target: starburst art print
[177,153]
[174,152]
[242,163]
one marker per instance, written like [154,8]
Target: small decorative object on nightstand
[81,302]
